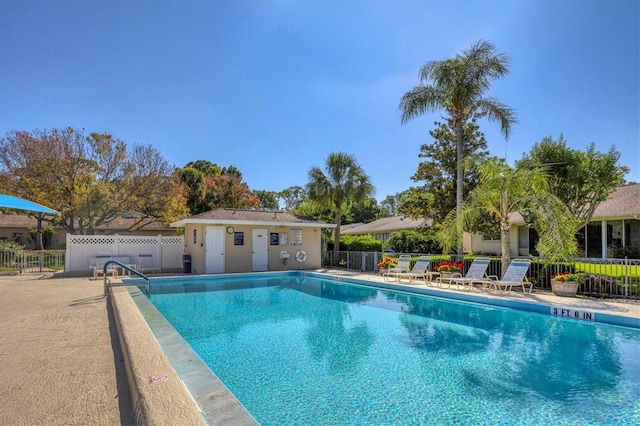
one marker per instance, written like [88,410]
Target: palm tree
[345,181]
[502,191]
[457,86]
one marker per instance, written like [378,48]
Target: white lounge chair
[403,266]
[476,273]
[146,265]
[98,265]
[419,271]
[516,275]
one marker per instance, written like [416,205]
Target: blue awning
[10,202]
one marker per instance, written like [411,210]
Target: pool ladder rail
[107,283]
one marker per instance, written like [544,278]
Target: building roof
[385,225]
[349,226]
[252,217]
[624,203]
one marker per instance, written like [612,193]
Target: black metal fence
[603,277]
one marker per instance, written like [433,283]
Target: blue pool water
[300,350]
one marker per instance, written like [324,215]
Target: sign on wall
[284,238]
[296,236]
[238,238]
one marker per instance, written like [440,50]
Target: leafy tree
[503,190]
[228,191]
[410,241]
[212,187]
[582,180]
[366,211]
[437,197]
[343,182]
[458,85]
[197,193]
[293,197]
[232,171]
[323,211]
[391,204]
[91,180]
[46,232]
[25,172]
[268,199]
[205,167]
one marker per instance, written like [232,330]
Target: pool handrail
[128,268]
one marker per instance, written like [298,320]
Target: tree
[344,181]
[391,203]
[205,167]
[268,199]
[230,192]
[293,197]
[458,85]
[212,187]
[439,170]
[366,211]
[193,178]
[91,180]
[582,180]
[232,171]
[503,190]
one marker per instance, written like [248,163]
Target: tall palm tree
[502,191]
[344,181]
[457,85]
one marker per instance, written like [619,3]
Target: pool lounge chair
[98,262]
[403,266]
[516,275]
[419,271]
[476,273]
[146,264]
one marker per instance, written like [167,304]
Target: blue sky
[273,87]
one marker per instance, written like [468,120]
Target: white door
[259,250]
[214,250]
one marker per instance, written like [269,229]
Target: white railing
[23,261]
[167,250]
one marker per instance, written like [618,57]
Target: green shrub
[358,243]
[406,241]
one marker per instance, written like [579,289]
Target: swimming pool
[301,350]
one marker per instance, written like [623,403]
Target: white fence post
[159,251]
[67,252]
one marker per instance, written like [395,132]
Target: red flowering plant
[446,266]
[565,276]
[384,263]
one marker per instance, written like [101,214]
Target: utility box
[186,263]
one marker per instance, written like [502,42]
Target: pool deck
[68,355]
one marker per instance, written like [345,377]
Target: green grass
[632,271]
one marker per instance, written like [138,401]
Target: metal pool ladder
[123,266]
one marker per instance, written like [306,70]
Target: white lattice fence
[167,250]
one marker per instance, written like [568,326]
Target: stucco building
[232,240]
